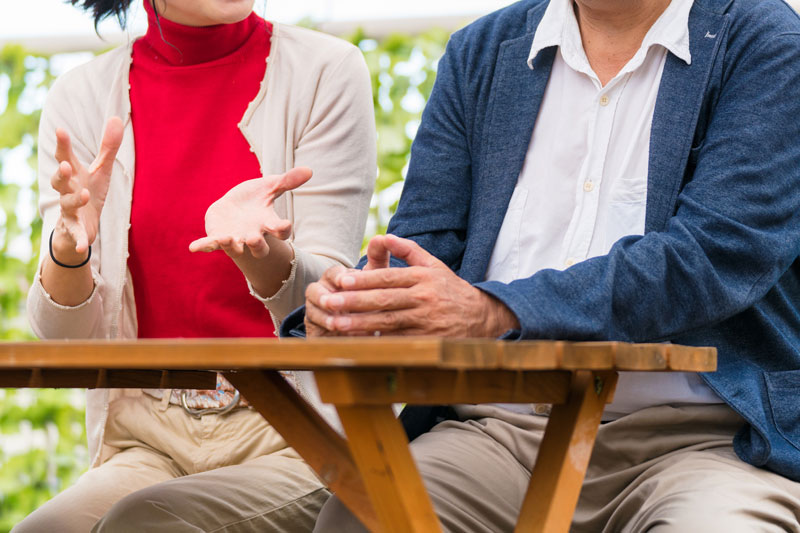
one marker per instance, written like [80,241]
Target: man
[607,169]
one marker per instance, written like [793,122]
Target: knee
[38,521]
[54,517]
[706,520]
[131,513]
[334,517]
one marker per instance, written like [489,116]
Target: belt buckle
[198,413]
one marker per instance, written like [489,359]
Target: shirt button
[569,262]
[604,100]
[588,186]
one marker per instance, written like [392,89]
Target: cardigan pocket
[783,389]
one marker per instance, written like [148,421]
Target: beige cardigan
[314,109]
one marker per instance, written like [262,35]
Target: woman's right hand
[83,193]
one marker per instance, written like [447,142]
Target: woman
[137,148]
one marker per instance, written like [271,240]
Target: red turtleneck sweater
[188,93]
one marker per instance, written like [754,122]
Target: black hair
[102,9]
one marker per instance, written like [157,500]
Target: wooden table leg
[309,434]
[564,454]
[380,449]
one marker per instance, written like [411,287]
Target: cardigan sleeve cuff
[48,300]
[286,283]
[52,320]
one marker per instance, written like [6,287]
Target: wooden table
[372,471]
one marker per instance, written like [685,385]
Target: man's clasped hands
[425,298]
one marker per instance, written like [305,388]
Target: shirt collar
[559,27]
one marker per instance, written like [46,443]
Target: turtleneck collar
[188,45]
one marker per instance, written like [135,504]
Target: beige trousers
[229,473]
[661,470]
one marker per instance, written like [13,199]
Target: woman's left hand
[245,216]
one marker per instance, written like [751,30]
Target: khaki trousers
[229,473]
[660,470]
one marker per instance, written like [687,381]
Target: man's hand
[245,216]
[426,298]
[377,257]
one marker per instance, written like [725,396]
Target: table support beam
[564,454]
[380,449]
[309,434]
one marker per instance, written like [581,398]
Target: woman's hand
[83,192]
[244,224]
[245,216]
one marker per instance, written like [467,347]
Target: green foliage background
[403,70]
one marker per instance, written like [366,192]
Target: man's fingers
[206,244]
[369,301]
[330,276]
[384,321]
[410,252]
[317,316]
[377,253]
[291,180]
[316,291]
[383,278]
[112,139]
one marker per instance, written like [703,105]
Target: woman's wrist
[69,286]
[266,275]
[62,247]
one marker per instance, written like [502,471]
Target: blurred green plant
[403,69]
[42,434]
[43,448]
[21,76]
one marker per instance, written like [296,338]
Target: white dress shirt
[584,182]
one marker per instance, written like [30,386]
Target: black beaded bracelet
[59,263]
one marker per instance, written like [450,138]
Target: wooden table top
[295,354]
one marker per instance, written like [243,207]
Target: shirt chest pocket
[627,204]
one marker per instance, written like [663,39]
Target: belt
[198,413]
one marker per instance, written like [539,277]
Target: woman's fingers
[279,228]
[290,181]
[70,203]
[78,233]
[257,245]
[232,246]
[61,179]
[206,244]
[64,148]
[112,138]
